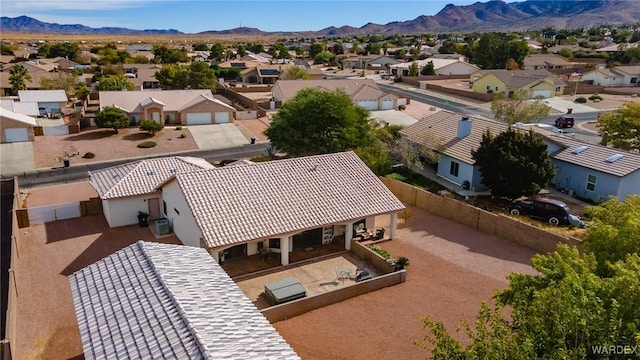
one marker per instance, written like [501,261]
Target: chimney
[464,127]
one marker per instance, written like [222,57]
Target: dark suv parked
[554,211]
[565,121]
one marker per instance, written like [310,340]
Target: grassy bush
[151,126]
[595,97]
[179,127]
[402,107]
[88,155]
[183,135]
[147,144]
[580,100]
[384,253]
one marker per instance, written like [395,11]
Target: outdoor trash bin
[143,219]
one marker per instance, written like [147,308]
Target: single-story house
[547,62]
[263,74]
[15,127]
[616,76]
[130,188]
[185,107]
[591,171]
[363,92]
[48,101]
[163,301]
[441,67]
[370,62]
[241,208]
[24,108]
[538,83]
[143,76]
[36,73]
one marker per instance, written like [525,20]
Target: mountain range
[494,15]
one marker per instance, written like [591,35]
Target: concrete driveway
[16,157]
[218,136]
[562,105]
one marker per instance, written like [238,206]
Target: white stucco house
[48,101]
[130,188]
[441,67]
[616,76]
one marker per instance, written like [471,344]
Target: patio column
[348,235]
[284,250]
[394,225]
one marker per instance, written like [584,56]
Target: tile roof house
[283,205]
[590,171]
[143,76]
[363,92]
[161,301]
[263,74]
[48,101]
[616,76]
[132,187]
[15,127]
[186,107]
[441,67]
[538,83]
[547,62]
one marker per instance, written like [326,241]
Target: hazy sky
[203,15]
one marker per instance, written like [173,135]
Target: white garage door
[369,104]
[387,104]
[221,117]
[541,93]
[16,135]
[198,118]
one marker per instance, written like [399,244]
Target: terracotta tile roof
[152,301]
[289,88]
[520,78]
[443,125]
[546,59]
[232,205]
[132,101]
[143,176]
[595,156]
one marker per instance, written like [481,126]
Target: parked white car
[548,127]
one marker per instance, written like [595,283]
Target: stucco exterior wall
[124,211]
[574,177]
[179,214]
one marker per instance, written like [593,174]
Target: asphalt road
[80,172]
[468,109]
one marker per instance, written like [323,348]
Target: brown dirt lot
[107,145]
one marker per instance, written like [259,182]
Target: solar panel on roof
[237,64]
[268,72]
[614,158]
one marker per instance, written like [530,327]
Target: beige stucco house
[15,127]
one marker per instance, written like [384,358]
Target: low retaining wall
[301,306]
[371,257]
[499,225]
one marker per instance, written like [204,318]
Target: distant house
[370,62]
[143,76]
[15,127]
[132,187]
[616,76]
[363,92]
[263,74]
[36,73]
[590,171]
[186,107]
[162,301]
[546,62]
[537,83]
[440,66]
[48,101]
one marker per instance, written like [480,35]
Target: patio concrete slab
[16,158]
[394,117]
[562,105]
[218,136]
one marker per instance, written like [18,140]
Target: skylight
[614,158]
[579,149]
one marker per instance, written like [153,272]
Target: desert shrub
[595,97]
[402,107]
[151,126]
[183,135]
[147,144]
[179,127]
[88,155]
[580,100]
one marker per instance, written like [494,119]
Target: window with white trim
[591,182]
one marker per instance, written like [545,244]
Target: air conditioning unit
[162,226]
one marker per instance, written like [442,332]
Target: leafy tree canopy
[295,73]
[621,128]
[166,55]
[115,83]
[319,122]
[112,118]
[428,69]
[518,108]
[18,77]
[198,75]
[514,163]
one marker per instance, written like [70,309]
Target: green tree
[64,49]
[151,126]
[447,47]
[61,81]
[112,118]
[5,49]
[201,76]
[614,232]
[315,49]
[513,163]
[324,57]
[18,77]
[428,69]
[512,65]
[414,69]
[200,47]
[165,55]
[173,77]
[115,83]
[518,108]
[319,122]
[566,52]
[217,52]
[621,128]
[295,73]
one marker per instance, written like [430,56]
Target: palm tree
[18,77]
